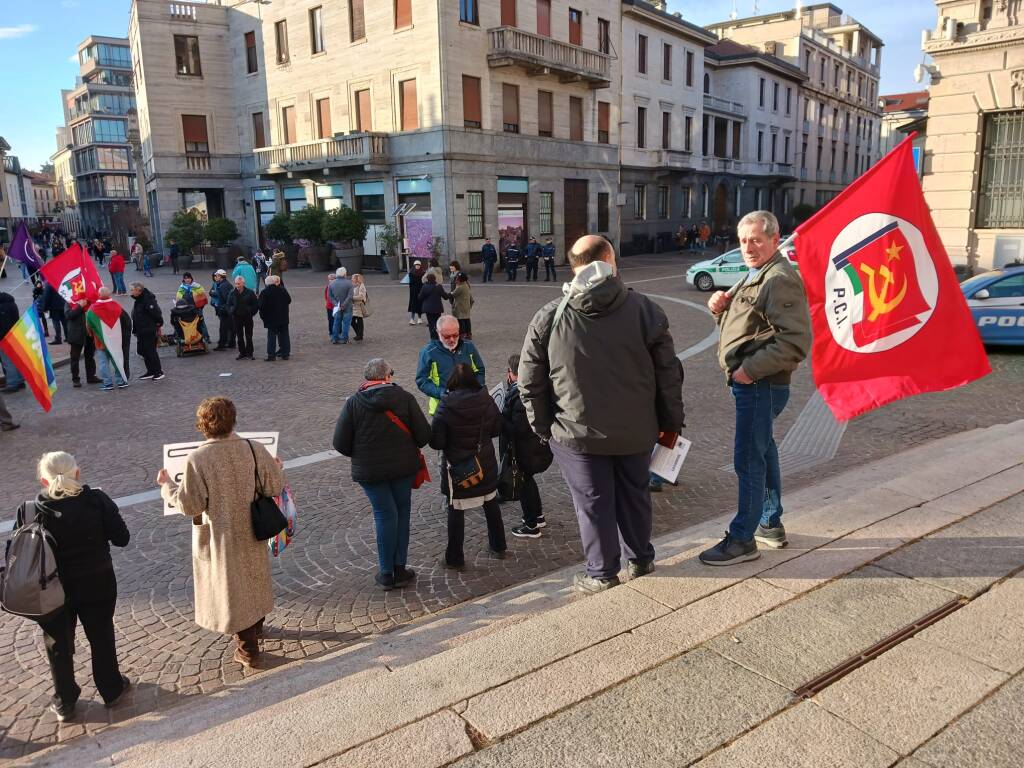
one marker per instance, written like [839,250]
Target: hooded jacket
[465,419]
[436,364]
[146,314]
[380,450]
[605,378]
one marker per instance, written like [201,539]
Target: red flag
[889,318]
[73,274]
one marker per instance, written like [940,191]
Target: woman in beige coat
[360,305]
[230,568]
[462,304]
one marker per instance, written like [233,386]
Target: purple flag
[23,249]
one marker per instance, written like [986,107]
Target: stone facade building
[973,170]
[96,114]
[490,119]
[838,111]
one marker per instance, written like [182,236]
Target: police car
[724,271]
[996,300]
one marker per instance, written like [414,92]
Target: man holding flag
[765,333]
[110,328]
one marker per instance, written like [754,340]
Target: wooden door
[575,205]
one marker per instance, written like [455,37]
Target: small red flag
[888,315]
[73,274]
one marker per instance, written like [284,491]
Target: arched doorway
[720,219]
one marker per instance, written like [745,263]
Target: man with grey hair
[765,332]
[340,292]
[439,358]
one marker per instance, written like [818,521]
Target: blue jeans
[756,457]
[342,321]
[118,278]
[392,505]
[108,371]
[278,337]
[488,271]
[14,377]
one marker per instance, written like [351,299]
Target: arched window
[707,83]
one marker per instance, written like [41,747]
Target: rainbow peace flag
[25,344]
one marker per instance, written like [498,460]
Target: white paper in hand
[666,462]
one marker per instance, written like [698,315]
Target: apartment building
[662,106]
[482,119]
[44,193]
[64,182]
[899,111]
[838,113]
[749,133]
[975,137]
[16,199]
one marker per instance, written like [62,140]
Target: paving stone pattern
[325,595]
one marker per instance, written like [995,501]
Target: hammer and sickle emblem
[876,294]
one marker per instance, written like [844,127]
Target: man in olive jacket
[765,332]
[600,380]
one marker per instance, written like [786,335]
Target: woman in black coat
[416,272]
[464,425]
[84,522]
[381,428]
[431,295]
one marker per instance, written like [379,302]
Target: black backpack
[29,583]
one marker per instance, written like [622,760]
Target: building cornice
[648,13]
[996,38]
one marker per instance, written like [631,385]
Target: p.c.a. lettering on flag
[888,315]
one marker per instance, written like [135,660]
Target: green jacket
[462,301]
[767,326]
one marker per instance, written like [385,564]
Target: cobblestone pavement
[325,595]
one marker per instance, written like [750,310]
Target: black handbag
[267,518]
[510,476]
[468,473]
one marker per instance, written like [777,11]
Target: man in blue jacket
[533,251]
[548,252]
[439,358]
[488,255]
[512,260]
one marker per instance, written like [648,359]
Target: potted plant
[220,233]
[345,230]
[390,240]
[186,230]
[306,227]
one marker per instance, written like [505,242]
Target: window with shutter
[641,54]
[666,130]
[356,20]
[316,30]
[281,38]
[409,107]
[603,121]
[471,112]
[508,13]
[544,18]
[364,113]
[510,107]
[689,69]
[259,133]
[575,27]
[545,112]
[251,60]
[641,127]
[323,118]
[288,125]
[575,118]
[403,14]
[193,129]
[666,61]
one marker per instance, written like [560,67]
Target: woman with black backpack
[464,425]
[83,522]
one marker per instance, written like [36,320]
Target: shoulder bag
[468,473]
[423,473]
[267,518]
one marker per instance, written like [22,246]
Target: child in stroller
[188,336]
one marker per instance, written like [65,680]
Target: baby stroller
[188,337]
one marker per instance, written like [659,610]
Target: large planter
[317,256]
[350,258]
[223,259]
[392,265]
[291,253]
[185,260]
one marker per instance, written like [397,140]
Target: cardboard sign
[176,456]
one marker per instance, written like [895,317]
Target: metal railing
[352,150]
[723,105]
[510,42]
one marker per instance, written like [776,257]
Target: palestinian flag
[103,321]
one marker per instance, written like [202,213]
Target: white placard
[176,455]
[666,462]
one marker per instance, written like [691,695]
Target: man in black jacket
[147,320]
[242,306]
[600,380]
[273,303]
[80,342]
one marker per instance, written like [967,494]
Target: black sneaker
[540,523]
[526,532]
[76,384]
[146,376]
[122,385]
[730,551]
[636,569]
[385,581]
[774,538]
[62,711]
[125,685]
[158,377]
[654,487]
[404,576]
[583,582]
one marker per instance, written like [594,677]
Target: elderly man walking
[765,332]
[340,292]
[600,381]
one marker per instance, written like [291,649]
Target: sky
[38,41]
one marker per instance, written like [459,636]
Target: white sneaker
[412,322]
[419,321]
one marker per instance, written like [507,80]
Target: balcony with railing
[718,104]
[540,55]
[11,164]
[354,150]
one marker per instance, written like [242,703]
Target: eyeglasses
[449,335]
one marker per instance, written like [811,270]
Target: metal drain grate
[841,670]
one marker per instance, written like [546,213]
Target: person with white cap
[416,272]
[219,296]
